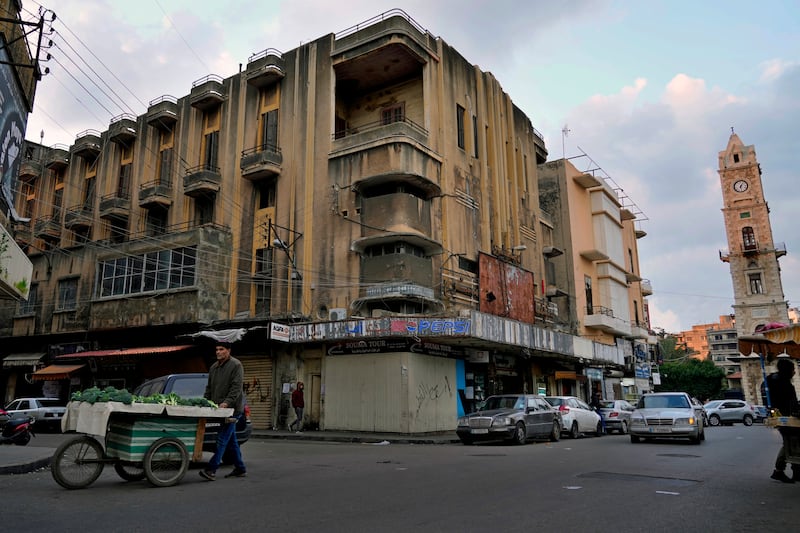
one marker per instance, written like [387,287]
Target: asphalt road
[590,484]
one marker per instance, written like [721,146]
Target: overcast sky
[649,91]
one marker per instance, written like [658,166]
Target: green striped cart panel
[129,440]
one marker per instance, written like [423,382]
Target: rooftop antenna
[564,133]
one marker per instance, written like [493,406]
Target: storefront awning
[55,372]
[121,352]
[22,359]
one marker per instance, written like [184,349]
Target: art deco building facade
[363,210]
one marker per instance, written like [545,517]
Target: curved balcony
[262,162]
[48,228]
[265,68]
[87,144]
[207,92]
[429,245]
[79,217]
[162,113]
[201,180]
[122,128]
[155,194]
[57,157]
[29,170]
[115,206]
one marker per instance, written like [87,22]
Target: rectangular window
[211,150]
[28,193]
[460,125]
[149,272]
[269,130]
[124,183]
[393,113]
[28,307]
[266,194]
[165,166]
[587,288]
[475,136]
[262,274]
[755,284]
[58,194]
[88,192]
[67,295]
[204,210]
[156,223]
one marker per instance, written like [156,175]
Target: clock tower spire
[752,254]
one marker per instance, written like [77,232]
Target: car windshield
[554,401]
[504,402]
[51,402]
[664,402]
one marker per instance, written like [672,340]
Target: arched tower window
[748,238]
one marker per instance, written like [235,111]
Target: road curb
[25,468]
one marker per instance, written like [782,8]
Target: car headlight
[637,420]
[502,421]
[463,421]
[684,421]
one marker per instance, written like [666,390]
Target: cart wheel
[78,463]
[129,471]
[166,462]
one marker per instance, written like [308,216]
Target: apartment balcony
[632,277]
[207,92]
[202,180]
[87,144]
[261,162]
[29,170]
[58,157]
[48,228]
[79,217]
[647,289]
[639,331]
[122,129]
[265,68]
[155,194]
[357,136]
[587,181]
[162,113]
[753,249]
[22,233]
[396,213]
[116,206]
[594,254]
[603,318]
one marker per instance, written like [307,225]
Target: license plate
[661,430]
[479,431]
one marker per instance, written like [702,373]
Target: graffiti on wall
[255,392]
[431,393]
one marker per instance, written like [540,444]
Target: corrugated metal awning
[119,352]
[55,372]
[22,359]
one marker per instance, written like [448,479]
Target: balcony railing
[162,113]
[116,205]
[155,193]
[122,128]
[202,179]
[403,126]
[207,92]
[262,161]
[87,144]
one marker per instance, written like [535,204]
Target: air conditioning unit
[339,313]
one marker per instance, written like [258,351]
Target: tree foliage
[701,379]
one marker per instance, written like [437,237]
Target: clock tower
[752,254]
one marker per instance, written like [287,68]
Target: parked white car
[616,415]
[576,416]
[47,412]
[728,412]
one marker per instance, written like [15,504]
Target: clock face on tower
[740,186]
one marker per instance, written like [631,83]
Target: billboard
[13,121]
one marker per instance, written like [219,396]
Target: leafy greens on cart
[112,394]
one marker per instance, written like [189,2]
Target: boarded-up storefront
[259,389]
[390,392]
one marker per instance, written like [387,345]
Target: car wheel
[695,440]
[555,434]
[466,442]
[519,434]
[713,420]
[573,431]
[623,428]
[634,439]
[748,420]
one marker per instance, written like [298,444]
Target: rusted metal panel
[506,290]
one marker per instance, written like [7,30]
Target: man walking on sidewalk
[299,404]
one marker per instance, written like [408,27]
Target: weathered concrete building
[365,208]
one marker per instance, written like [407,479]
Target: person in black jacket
[783,397]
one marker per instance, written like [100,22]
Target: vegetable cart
[790,426]
[152,441]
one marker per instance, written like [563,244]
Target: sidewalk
[24,459]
